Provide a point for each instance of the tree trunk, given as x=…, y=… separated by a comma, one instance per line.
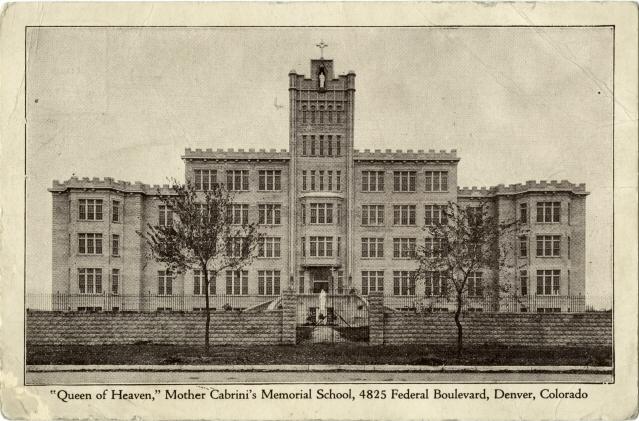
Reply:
x=208, y=310
x=459, y=326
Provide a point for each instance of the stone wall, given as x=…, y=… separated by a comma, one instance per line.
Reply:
x=521, y=329
x=227, y=328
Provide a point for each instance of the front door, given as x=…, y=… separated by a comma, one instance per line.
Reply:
x=319, y=285
x=321, y=280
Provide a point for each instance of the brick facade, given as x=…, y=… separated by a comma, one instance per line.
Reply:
x=321, y=169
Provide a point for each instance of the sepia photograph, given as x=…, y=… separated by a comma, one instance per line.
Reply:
x=319, y=211
x=451, y=218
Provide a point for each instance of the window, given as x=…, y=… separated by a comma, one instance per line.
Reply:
x=404, y=214
x=373, y=247
x=338, y=142
x=372, y=281
x=523, y=246
x=548, y=245
x=340, y=281
x=90, y=280
x=404, y=181
x=115, y=245
x=372, y=214
x=237, y=180
x=321, y=213
x=90, y=209
x=269, y=214
x=304, y=140
x=303, y=242
x=433, y=247
x=165, y=216
x=115, y=281
x=312, y=145
x=238, y=214
x=269, y=180
x=321, y=180
x=301, y=282
x=435, y=214
x=205, y=179
x=475, y=284
x=434, y=283
x=304, y=180
x=523, y=213
x=339, y=246
x=321, y=246
x=436, y=181
x=403, y=282
x=268, y=282
x=89, y=243
x=475, y=215
x=403, y=248
x=115, y=211
x=199, y=281
x=548, y=212
x=372, y=181
x=165, y=282
x=237, y=282
x=329, y=142
x=523, y=282
x=321, y=145
x=338, y=180
x=313, y=180
x=237, y=247
x=548, y=281
x=303, y=213
x=269, y=247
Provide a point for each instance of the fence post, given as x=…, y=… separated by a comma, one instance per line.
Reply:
x=376, y=318
x=289, y=310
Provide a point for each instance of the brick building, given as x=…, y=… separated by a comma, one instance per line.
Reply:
x=336, y=218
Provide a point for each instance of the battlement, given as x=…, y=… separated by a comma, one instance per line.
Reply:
x=239, y=154
x=109, y=183
x=529, y=186
x=408, y=155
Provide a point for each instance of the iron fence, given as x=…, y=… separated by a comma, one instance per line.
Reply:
x=507, y=304
x=149, y=302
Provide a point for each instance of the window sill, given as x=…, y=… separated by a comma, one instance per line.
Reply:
x=548, y=257
x=372, y=258
x=89, y=254
x=438, y=191
x=90, y=220
x=268, y=258
x=269, y=191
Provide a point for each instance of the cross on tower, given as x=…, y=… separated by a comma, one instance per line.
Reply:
x=321, y=46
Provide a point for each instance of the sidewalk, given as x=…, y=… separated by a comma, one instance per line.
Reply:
x=322, y=368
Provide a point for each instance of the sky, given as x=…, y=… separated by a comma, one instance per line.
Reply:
x=517, y=103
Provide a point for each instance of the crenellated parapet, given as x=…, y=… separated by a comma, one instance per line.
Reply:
x=530, y=186
x=408, y=155
x=235, y=155
x=108, y=183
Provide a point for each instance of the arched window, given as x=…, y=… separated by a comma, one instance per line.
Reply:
x=303, y=113
x=330, y=113
x=321, y=114
x=312, y=114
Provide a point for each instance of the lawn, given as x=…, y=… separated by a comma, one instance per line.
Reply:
x=344, y=353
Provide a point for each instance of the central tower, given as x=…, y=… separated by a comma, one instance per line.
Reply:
x=321, y=191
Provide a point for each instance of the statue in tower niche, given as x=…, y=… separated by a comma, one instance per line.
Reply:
x=322, y=79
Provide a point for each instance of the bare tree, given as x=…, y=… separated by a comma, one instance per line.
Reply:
x=465, y=240
x=201, y=234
